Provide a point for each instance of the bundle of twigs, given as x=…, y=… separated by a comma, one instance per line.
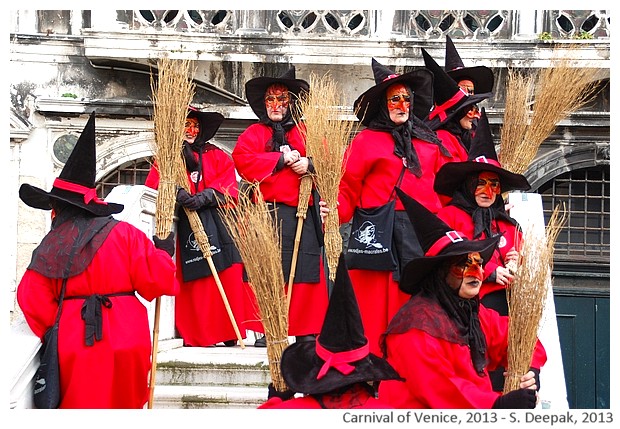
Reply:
x=327, y=137
x=172, y=93
x=557, y=91
x=527, y=296
x=254, y=230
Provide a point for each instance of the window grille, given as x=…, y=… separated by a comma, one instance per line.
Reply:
x=132, y=173
x=584, y=242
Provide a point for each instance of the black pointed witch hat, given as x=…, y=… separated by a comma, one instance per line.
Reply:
x=481, y=76
x=340, y=356
x=481, y=157
x=76, y=182
x=419, y=81
x=439, y=242
x=209, y=123
x=255, y=90
x=450, y=99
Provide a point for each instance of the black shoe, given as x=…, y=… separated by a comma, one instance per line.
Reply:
x=261, y=342
x=230, y=343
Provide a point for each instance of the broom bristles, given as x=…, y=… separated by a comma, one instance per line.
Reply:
x=527, y=295
x=557, y=91
x=253, y=229
x=172, y=94
x=326, y=139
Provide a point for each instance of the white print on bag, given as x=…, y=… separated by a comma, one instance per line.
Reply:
x=365, y=235
x=192, y=245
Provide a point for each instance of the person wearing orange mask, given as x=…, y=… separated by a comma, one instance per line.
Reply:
x=395, y=148
x=444, y=341
x=201, y=316
x=477, y=208
x=456, y=110
x=272, y=153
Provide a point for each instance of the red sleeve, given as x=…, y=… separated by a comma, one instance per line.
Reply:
x=152, y=180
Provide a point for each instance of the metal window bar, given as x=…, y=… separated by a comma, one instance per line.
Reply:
x=586, y=236
x=132, y=173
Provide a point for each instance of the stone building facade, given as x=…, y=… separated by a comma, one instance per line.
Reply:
x=65, y=63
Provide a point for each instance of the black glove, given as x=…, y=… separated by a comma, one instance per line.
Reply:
x=206, y=197
x=536, y=372
x=516, y=399
x=166, y=244
x=285, y=396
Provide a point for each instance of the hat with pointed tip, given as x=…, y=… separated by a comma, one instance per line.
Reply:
x=340, y=356
x=481, y=157
x=76, y=182
x=450, y=99
x=439, y=242
x=420, y=82
x=481, y=76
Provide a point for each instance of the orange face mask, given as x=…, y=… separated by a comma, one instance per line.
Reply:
x=398, y=98
x=277, y=95
x=488, y=184
x=474, y=112
x=470, y=267
x=192, y=127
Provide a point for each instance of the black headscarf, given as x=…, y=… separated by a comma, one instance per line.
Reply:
x=462, y=325
x=454, y=127
x=483, y=217
x=279, y=128
x=404, y=133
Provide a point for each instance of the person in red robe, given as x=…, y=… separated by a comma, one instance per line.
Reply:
x=443, y=341
x=478, y=210
x=338, y=369
x=201, y=316
x=104, y=341
x=395, y=149
x=456, y=111
x=272, y=154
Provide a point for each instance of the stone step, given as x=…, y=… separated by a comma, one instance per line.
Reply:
x=210, y=377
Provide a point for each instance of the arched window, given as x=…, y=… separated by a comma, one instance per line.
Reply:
x=132, y=173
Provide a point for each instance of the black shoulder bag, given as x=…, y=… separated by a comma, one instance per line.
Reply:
x=370, y=241
x=47, y=377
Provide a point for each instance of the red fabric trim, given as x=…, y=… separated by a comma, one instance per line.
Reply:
x=340, y=361
x=486, y=160
x=450, y=237
x=392, y=76
x=90, y=194
x=441, y=110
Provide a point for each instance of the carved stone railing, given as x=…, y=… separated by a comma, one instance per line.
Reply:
x=419, y=24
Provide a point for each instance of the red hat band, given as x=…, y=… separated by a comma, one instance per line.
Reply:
x=450, y=237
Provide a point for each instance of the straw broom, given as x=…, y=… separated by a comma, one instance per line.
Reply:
x=305, y=188
x=254, y=230
x=526, y=297
x=326, y=139
x=172, y=93
x=557, y=91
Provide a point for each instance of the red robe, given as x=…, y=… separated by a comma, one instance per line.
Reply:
x=113, y=373
x=371, y=173
x=460, y=220
x=440, y=373
x=456, y=149
x=255, y=162
x=200, y=313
